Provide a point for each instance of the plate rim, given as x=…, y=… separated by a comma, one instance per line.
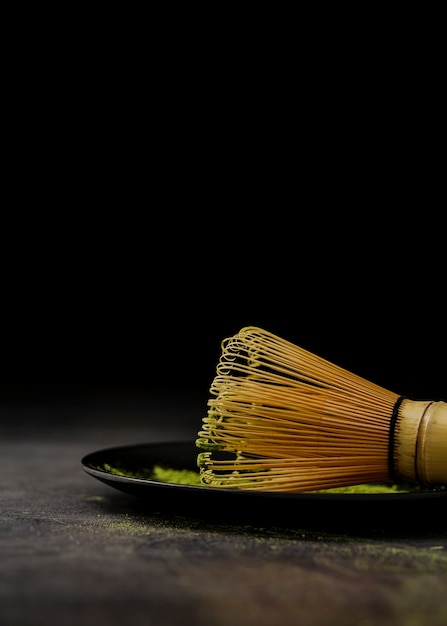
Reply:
x=110, y=477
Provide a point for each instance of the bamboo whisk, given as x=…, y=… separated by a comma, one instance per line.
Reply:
x=284, y=419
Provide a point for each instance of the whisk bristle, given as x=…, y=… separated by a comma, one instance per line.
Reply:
x=284, y=419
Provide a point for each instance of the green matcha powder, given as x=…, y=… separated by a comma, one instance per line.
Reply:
x=188, y=477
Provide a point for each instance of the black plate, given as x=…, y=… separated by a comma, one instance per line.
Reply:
x=402, y=511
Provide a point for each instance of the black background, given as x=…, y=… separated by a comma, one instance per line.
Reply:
x=140, y=302
x=154, y=207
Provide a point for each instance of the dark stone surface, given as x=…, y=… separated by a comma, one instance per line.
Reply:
x=75, y=551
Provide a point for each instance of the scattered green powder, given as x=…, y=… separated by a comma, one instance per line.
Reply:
x=179, y=477
x=158, y=473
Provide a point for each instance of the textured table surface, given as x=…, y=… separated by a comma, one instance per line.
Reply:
x=75, y=551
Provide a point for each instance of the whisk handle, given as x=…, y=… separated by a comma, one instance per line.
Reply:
x=422, y=447
x=432, y=445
